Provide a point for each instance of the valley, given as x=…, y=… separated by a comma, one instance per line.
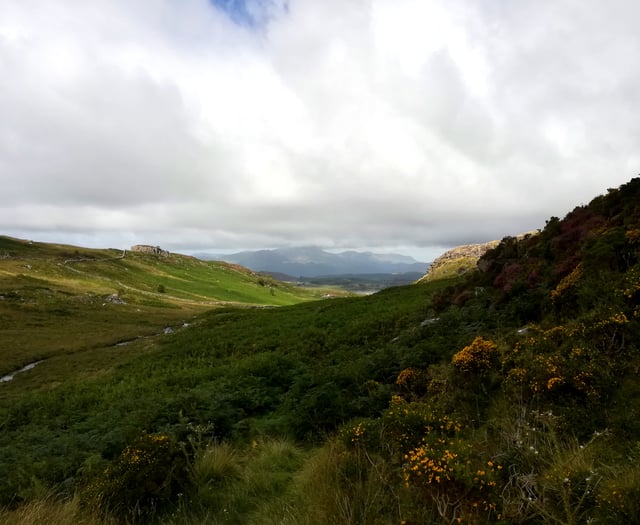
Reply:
x=507, y=393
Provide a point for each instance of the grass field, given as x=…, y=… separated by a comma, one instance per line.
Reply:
x=70, y=309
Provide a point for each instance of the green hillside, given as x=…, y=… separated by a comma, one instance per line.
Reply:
x=506, y=395
x=180, y=278
x=61, y=300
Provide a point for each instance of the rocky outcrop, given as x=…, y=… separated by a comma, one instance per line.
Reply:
x=114, y=298
x=151, y=250
x=457, y=261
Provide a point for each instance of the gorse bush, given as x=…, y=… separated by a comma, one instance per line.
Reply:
x=440, y=469
x=147, y=475
x=446, y=469
x=477, y=357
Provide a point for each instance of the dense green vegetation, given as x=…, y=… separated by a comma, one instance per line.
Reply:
x=508, y=395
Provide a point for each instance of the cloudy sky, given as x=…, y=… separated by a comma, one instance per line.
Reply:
x=393, y=125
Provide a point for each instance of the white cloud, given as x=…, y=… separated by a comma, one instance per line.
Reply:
x=360, y=123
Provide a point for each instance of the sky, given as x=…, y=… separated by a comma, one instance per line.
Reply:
x=405, y=126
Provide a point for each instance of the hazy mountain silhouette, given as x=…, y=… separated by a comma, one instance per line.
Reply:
x=311, y=261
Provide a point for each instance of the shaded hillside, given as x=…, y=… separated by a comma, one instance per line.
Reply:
x=581, y=263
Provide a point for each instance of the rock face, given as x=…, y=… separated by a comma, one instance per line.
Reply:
x=151, y=250
x=457, y=261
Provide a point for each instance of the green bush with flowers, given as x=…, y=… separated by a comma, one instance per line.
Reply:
x=450, y=471
x=148, y=474
x=478, y=357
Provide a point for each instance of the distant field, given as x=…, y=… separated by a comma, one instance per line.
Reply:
x=364, y=283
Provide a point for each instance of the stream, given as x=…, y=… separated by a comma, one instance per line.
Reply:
x=9, y=377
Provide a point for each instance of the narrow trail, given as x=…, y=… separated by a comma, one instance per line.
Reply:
x=89, y=259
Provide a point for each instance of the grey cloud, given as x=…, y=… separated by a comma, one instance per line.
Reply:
x=365, y=123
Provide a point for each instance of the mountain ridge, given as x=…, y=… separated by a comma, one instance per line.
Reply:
x=312, y=261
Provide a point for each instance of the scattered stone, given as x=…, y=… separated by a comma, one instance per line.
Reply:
x=167, y=330
x=114, y=298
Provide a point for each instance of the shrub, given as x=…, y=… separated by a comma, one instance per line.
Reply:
x=448, y=470
x=145, y=476
x=405, y=423
x=478, y=357
x=413, y=380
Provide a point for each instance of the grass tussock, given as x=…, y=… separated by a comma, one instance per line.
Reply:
x=217, y=465
x=338, y=486
x=50, y=511
x=232, y=484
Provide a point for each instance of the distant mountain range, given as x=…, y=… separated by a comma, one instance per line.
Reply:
x=311, y=261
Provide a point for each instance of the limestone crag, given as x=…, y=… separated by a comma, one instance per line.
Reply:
x=151, y=250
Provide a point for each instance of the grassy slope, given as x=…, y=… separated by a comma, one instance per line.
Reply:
x=54, y=299
x=244, y=371
x=452, y=268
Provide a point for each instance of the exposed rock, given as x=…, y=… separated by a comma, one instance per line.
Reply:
x=151, y=250
x=457, y=261
x=115, y=299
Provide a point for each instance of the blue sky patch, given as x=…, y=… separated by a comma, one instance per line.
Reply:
x=249, y=13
